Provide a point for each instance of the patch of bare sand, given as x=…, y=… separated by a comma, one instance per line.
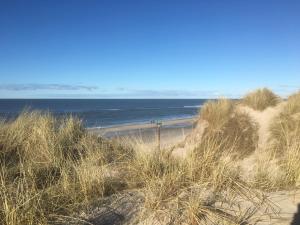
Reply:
x=288, y=205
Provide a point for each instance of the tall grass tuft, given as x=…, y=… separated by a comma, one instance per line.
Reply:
x=217, y=113
x=285, y=131
x=50, y=167
x=292, y=106
x=231, y=129
x=285, y=140
x=261, y=99
x=190, y=190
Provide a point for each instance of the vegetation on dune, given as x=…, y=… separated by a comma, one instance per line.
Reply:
x=230, y=129
x=292, y=106
x=217, y=113
x=285, y=140
x=278, y=165
x=54, y=171
x=190, y=190
x=49, y=167
x=261, y=99
x=286, y=127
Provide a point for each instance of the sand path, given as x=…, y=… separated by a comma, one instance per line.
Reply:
x=264, y=120
x=288, y=203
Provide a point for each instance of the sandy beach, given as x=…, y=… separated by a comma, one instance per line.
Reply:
x=172, y=131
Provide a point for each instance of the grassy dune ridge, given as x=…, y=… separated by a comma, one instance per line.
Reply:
x=54, y=171
x=260, y=99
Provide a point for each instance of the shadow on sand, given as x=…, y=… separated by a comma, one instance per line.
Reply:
x=296, y=219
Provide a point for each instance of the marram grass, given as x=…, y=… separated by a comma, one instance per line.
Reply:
x=261, y=99
x=52, y=170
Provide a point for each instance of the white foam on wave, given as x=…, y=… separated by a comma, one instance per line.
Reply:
x=192, y=106
x=111, y=109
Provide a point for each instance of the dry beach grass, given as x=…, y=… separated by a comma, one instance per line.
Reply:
x=260, y=99
x=55, y=172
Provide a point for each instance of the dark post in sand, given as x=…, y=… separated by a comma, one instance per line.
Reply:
x=158, y=126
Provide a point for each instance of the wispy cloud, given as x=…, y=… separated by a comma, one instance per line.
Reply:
x=149, y=93
x=34, y=87
x=34, y=90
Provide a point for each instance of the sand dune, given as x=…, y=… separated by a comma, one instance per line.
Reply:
x=285, y=201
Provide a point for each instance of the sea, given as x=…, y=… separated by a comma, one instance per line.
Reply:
x=106, y=112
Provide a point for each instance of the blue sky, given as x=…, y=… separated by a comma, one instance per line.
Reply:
x=148, y=49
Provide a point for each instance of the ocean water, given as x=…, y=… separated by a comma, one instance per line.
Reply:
x=107, y=112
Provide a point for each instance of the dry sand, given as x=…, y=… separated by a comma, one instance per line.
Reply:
x=288, y=204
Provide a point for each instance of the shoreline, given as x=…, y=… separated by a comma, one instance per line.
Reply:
x=165, y=121
x=170, y=124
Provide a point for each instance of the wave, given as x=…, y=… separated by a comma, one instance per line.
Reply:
x=192, y=106
x=111, y=109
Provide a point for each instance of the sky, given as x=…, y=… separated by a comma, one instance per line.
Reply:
x=148, y=48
